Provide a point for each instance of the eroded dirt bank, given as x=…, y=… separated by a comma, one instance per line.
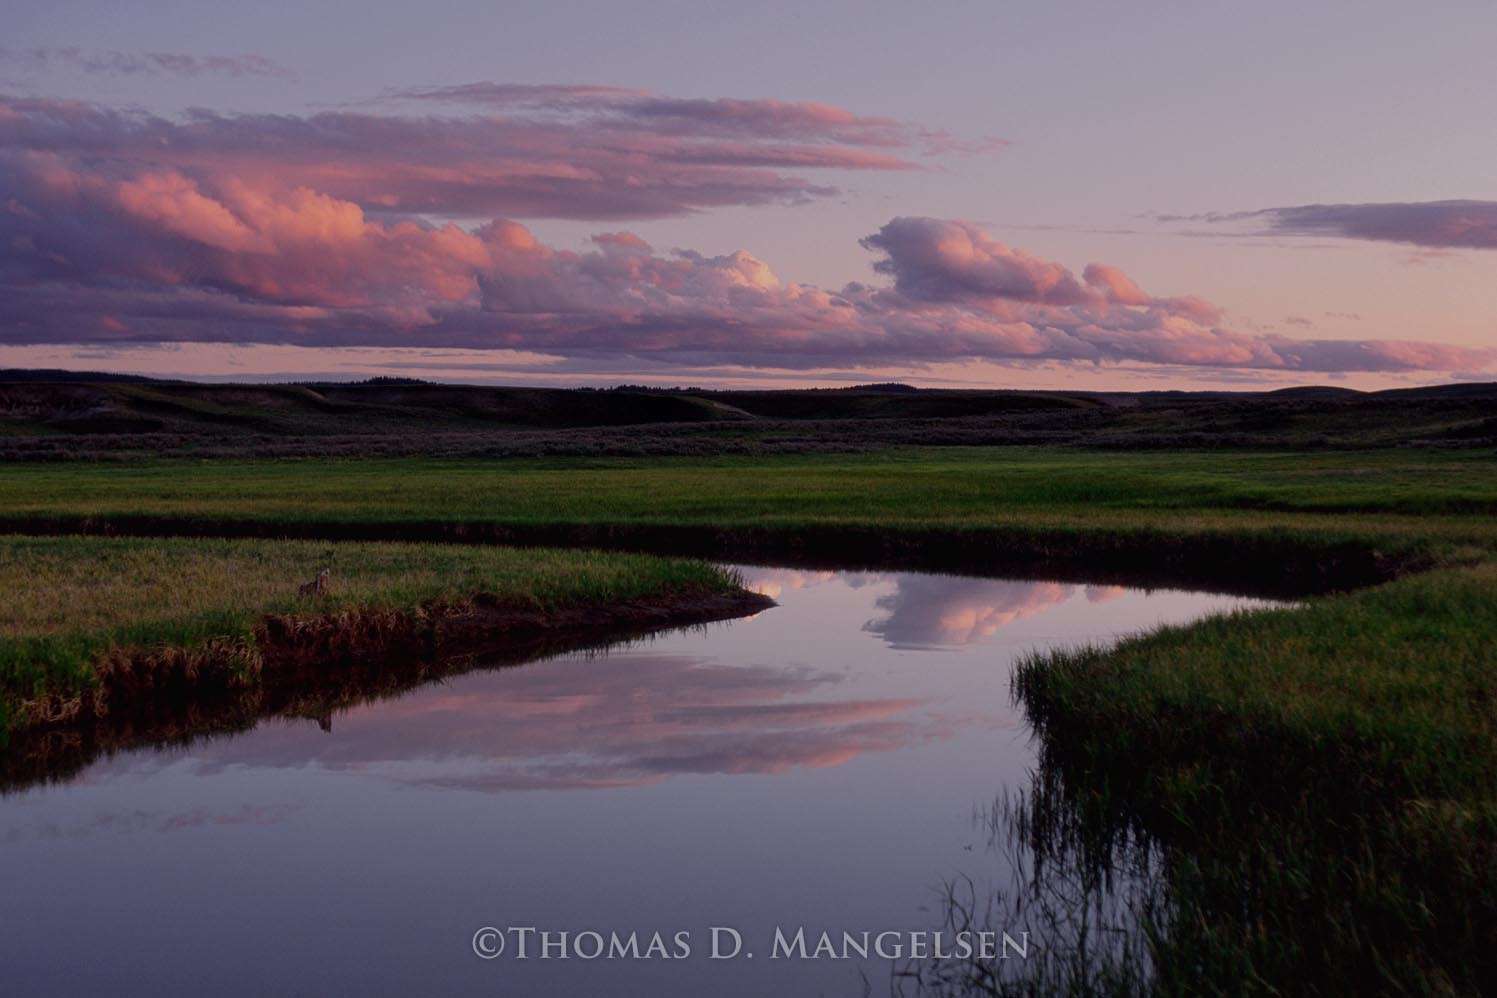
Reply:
x=310, y=666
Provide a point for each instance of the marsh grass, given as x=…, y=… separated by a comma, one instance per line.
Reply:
x=1280, y=523
x=1089, y=891
x=1323, y=779
x=910, y=486
x=72, y=602
x=1388, y=691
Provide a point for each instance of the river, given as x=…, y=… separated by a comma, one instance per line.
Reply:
x=819, y=766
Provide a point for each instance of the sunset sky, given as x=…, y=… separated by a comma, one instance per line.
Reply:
x=1063, y=195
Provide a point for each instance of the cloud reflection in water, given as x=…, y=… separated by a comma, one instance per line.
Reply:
x=629, y=719
x=635, y=718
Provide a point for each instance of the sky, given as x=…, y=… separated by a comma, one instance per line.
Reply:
x=1058, y=195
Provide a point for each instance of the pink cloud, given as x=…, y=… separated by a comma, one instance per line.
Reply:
x=944, y=260
x=124, y=228
x=1117, y=286
x=616, y=108
x=161, y=231
x=1433, y=224
x=940, y=260
x=1436, y=225
x=544, y=159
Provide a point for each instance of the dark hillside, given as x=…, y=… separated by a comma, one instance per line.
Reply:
x=901, y=402
x=53, y=407
x=47, y=417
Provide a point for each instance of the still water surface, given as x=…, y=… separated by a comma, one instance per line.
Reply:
x=817, y=765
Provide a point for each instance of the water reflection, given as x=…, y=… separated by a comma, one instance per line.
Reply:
x=931, y=611
x=812, y=765
x=620, y=720
x=922, y=611
x=137, y=820
x=630, y=718
x=1071, y=872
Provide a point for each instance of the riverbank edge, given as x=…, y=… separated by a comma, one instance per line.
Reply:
x=1361, y=821
x=288, y=652
x=1268, y=562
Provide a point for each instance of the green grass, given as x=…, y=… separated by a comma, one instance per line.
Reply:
x=1324, y=779
x=1394, y=686
x=1428, y=495
x=72, y=600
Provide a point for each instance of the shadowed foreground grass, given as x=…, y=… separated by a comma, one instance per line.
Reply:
x=1323, y=780
x=1404, y=676
x=71, y=601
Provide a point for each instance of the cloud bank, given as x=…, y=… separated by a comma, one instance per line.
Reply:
x=563, y=154
x=610, y=108
x=1431, y=224
x=327, y=231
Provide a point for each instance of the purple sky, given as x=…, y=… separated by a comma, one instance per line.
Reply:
x=1056, y=195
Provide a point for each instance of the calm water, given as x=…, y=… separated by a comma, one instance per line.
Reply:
x=818, y=765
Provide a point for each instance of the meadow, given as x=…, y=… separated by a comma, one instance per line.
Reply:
x=1397, y=491
x=1286, y=523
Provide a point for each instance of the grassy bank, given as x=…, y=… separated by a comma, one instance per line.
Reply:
x=1288, y=510
x=1393, y=689
x=85, y=613
x=1323, y=781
